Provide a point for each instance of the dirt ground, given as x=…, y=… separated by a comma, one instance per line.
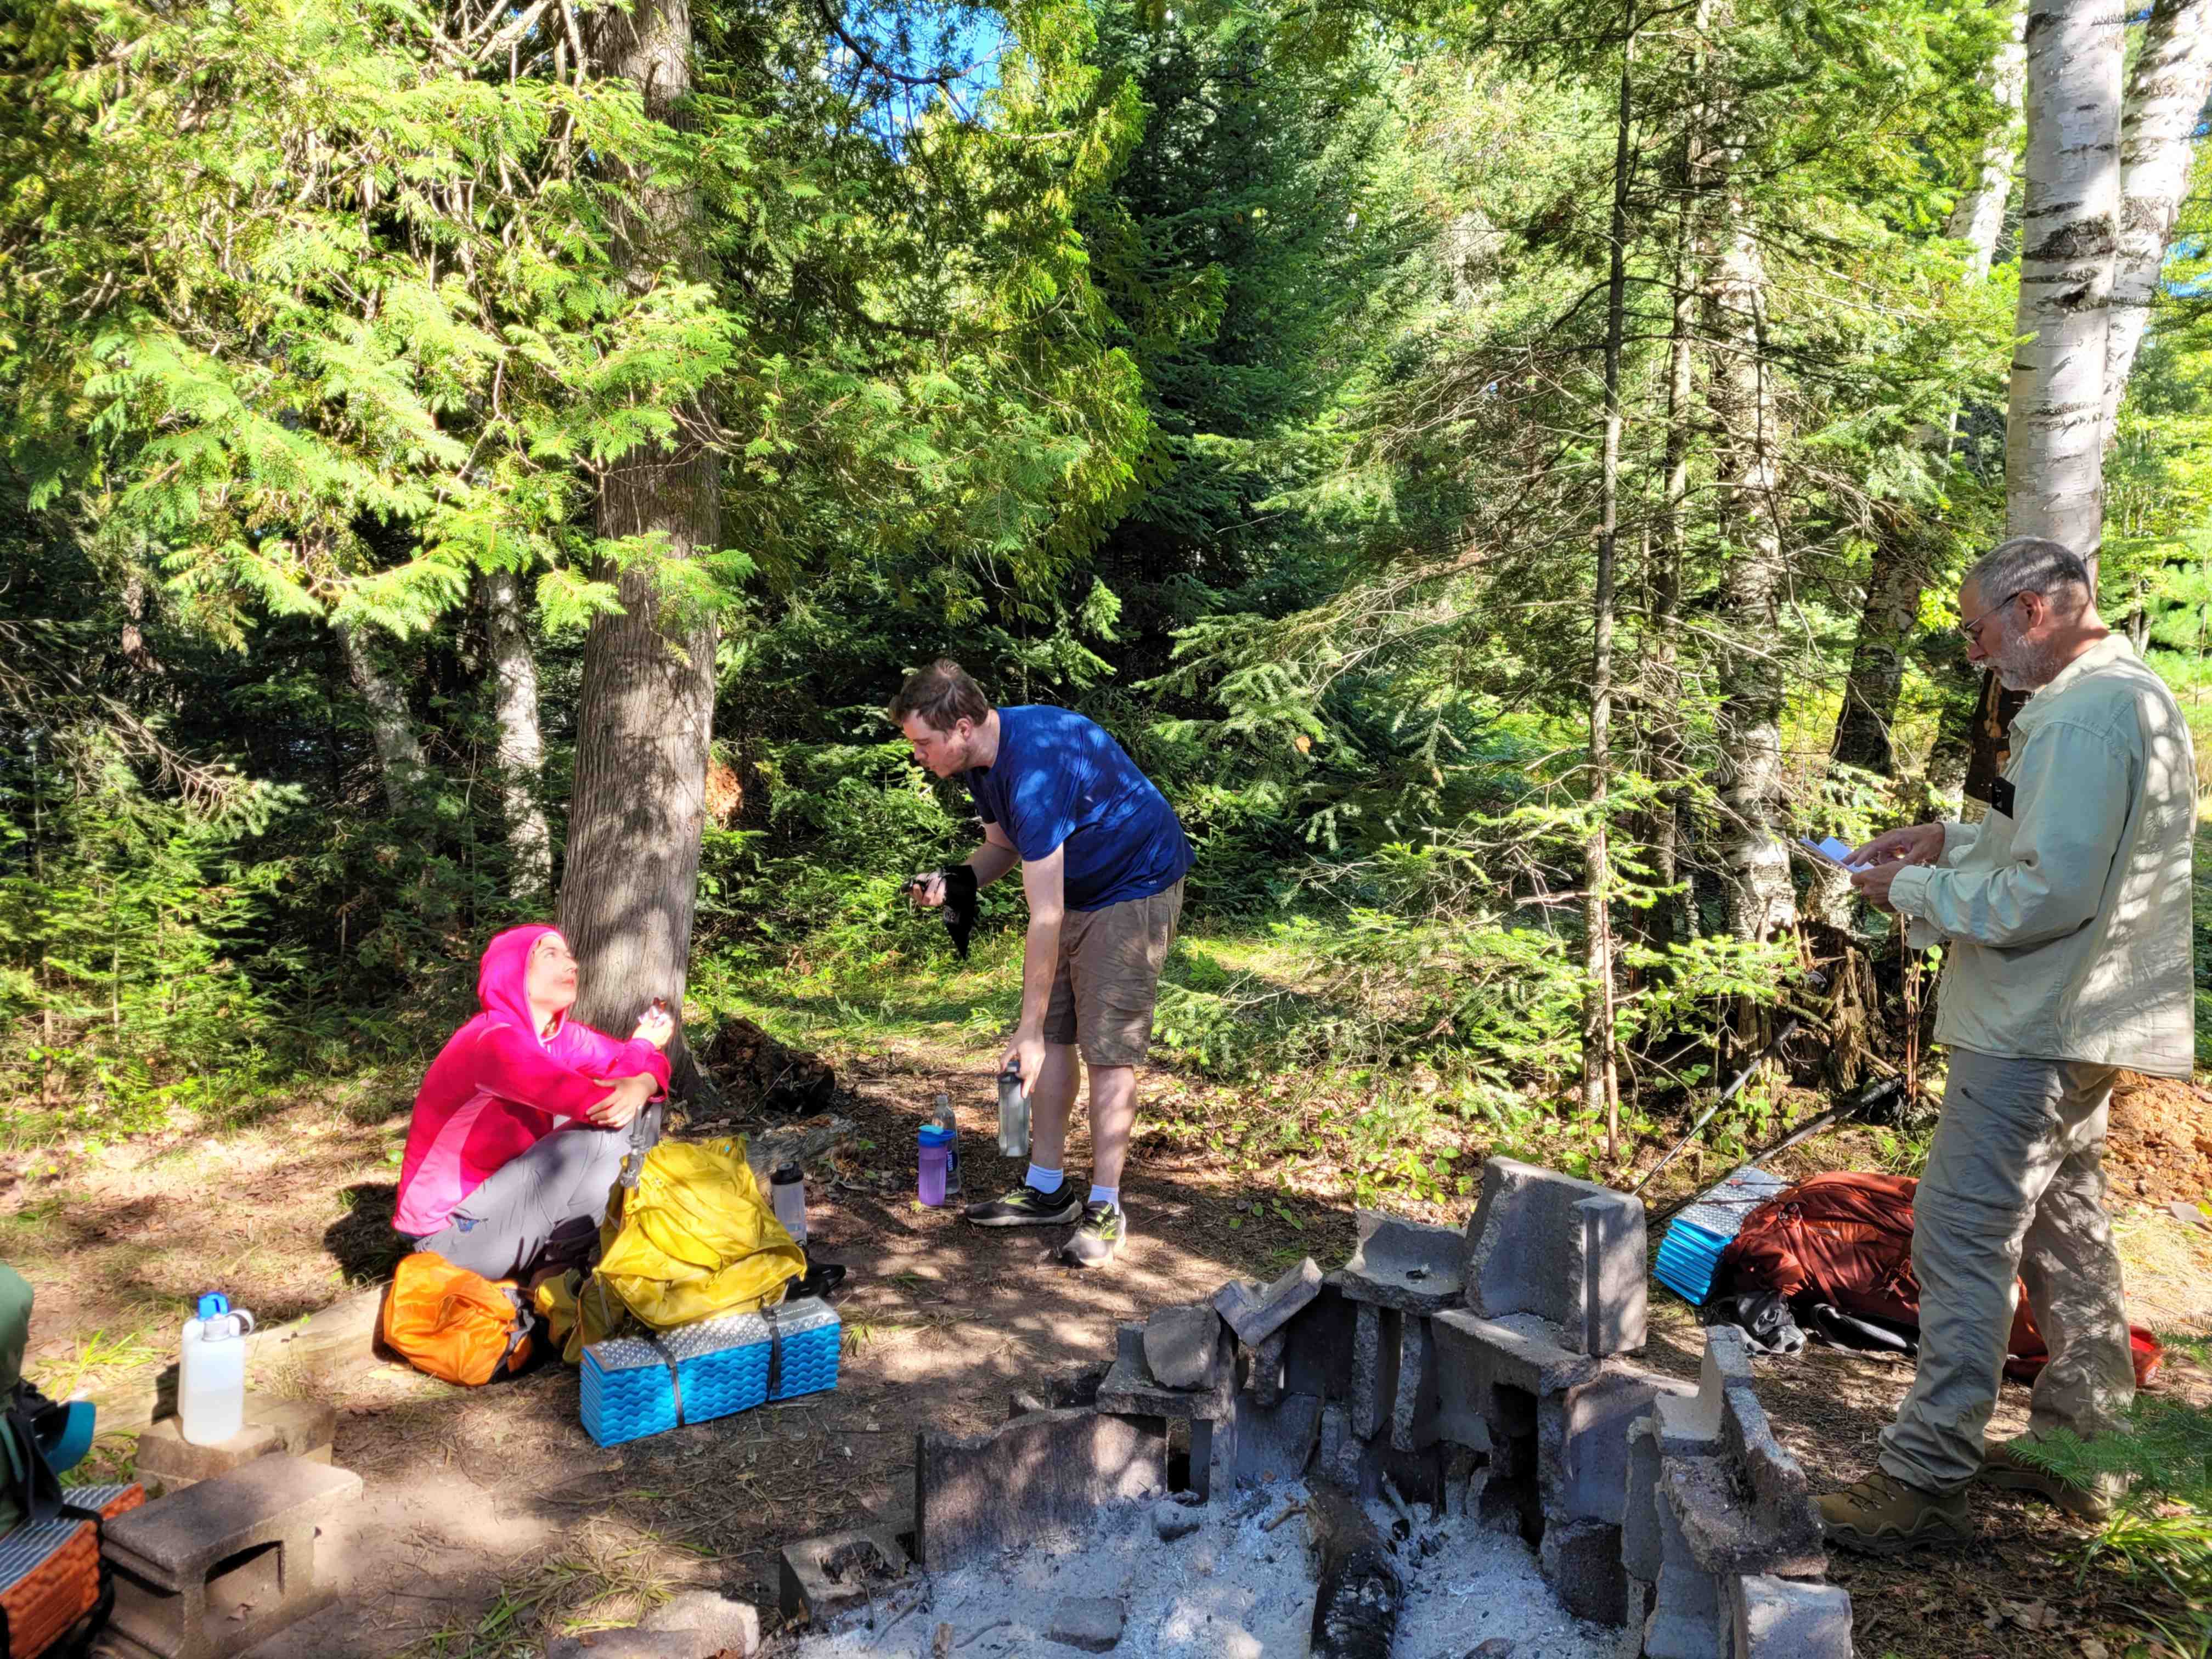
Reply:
x=490, y=1516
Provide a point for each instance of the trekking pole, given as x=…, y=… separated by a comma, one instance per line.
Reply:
x=1727, y=1095
x=1866, y=1101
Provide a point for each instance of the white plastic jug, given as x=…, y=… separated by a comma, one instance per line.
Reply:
x=211, y=1372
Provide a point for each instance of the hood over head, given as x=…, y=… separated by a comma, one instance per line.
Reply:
x=502, y=978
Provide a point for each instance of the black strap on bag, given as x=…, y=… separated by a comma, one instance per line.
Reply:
x=675, y=1381
x=775, y=1351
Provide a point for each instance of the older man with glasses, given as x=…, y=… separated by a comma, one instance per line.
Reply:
x=2065, y=918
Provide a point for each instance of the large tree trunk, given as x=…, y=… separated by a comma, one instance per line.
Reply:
x=2166, y=94
x=1978, y=217
x=1600, y=1089
x=391, y=724
x=522, y=749
x=2054, y=420
x=1761, y=900
x=2069, y=230
x=645, y=716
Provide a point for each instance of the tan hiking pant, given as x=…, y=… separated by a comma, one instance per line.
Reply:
x=2015, y=1189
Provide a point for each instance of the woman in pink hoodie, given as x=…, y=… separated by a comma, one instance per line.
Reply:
x=524, y=1118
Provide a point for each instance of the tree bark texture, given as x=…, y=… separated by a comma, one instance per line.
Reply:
x=2069, y=229
x=1895, y=579
x=1599, y=1088
x=1978, y=218
x=2166, y=94
x=522, y=754
x=391, y=724
x=645, y=716
x=1761, y=900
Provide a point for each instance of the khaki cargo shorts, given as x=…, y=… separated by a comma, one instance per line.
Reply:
x=1109, y=977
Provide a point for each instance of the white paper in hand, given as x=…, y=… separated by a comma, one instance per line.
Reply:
x=1836, y=851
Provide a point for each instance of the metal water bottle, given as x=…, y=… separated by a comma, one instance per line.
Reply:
x=1013, y=1114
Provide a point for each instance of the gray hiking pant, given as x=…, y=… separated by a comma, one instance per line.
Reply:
x=548, y=1201
x=2014, y=1188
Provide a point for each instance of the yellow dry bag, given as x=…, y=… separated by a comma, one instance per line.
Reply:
x=696, y=1237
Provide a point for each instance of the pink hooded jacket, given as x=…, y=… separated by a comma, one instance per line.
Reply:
x=497, y=1088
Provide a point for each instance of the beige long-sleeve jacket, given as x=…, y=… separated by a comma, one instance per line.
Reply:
x=2066, y=911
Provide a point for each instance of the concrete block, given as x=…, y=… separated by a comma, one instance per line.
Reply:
x=830, y=1581
x=1781, y=1497
x=1723, y=1531
x=1274, y=1443
x=1256, y=1312
x=1092, y=1623
x=1637, y=1603
x=726, y=1625
x=1375, y=1338
x=1687, y=1621
x=1595, y=1418
x=633, y=1642
x=1640, y=1542
x=1413, y=1407
x=1317, y=1351
x=226, y=1563
x=1687, y=1426
x=1581, y=1561
x=1339, y=1450
x=1265, y=1373
x=1778, y=1619
x=1131, y=1390
x=1477, y=1358
x=168, y=1463
x=1213, y=1455
x=1528, y=1250
x=1615, y=1261
x=1406, y=1265
x=1180, y=1343
x=978, y=1495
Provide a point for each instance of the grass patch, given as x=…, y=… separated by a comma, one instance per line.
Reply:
x=96, y=1355
x=607, y=1577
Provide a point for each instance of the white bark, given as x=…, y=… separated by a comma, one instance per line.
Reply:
x=391, y=725
x=2165, y=94
x=2070, y=226
x=521, y=747
x=1978, y=216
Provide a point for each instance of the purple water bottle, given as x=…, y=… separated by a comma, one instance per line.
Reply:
x=936, y=1153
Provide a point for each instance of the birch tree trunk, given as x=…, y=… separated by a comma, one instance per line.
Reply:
x=1761, y=900
x=2069, y=230
x=391, y=724
x=2166, y=94
x=521, y=748
x=645, y=714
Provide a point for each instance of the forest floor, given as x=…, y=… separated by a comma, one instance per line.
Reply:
x=491, y=1518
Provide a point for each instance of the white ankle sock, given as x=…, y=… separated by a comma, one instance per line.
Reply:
x=1105, y=1196
x=1044, y=1180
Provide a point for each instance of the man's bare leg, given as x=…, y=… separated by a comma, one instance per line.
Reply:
x=1113, y=1119
x=1051, y=1103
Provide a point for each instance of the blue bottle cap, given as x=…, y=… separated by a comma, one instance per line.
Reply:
x=214, y=1302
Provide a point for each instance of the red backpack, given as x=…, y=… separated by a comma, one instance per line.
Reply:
x=1846, y=1239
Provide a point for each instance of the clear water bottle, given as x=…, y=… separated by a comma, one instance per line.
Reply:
x=787, y=1193
x=211, y=1372
x=1013, y=1114
x=941, y=1115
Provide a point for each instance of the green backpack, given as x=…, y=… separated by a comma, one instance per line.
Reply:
x=39, y=1439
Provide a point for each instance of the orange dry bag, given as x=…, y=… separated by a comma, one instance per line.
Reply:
x=453, y=1323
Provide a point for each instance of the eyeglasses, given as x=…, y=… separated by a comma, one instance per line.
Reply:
x=1972, y=630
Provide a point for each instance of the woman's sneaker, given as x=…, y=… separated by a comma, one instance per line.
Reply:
x=1096, y=1237
x=1025, y=1206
